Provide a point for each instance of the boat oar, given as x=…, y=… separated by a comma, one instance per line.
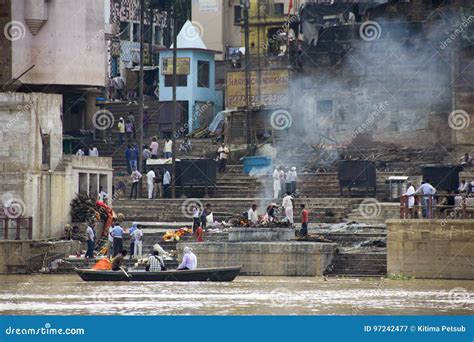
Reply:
x=125, y=272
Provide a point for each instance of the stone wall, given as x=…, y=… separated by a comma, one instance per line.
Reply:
x=431, y=248
x=265, y=258
x=28, y=256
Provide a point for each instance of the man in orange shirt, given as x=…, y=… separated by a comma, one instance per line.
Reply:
x=304, y=221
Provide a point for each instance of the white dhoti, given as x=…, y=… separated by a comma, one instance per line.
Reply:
x=411, y=201
x=289, y=214
x=150, y=189
x=276, y=188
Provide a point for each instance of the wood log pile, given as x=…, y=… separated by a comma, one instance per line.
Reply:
x=83, y=209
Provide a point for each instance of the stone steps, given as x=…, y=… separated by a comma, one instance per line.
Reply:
x=359, y=264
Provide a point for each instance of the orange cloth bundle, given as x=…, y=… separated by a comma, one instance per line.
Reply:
x=103, y=264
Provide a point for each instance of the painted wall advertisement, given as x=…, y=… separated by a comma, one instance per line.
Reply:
x=267, y=88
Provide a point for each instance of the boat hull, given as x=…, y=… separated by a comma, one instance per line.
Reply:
x=220, y=274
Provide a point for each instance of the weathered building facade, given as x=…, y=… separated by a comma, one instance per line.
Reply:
x=386, y=74
x=35, y=179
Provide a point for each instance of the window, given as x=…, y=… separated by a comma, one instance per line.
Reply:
x=147, y=35
x=237, y=15
x=124, y=30
x=279, y=10
x=136, y=32
x=203, y=74
x=324, y=107
x=181, y=80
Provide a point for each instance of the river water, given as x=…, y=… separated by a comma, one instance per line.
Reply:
x=69, y=295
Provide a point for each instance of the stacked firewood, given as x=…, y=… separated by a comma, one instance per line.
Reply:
x=83, y=208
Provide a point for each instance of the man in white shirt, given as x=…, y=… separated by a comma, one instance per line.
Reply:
x=80, y=152
x=276, y=182
x=282, y=182
x=150, y=180
x=90, y=241
x=293, y=179
x=154, y=148
x=168, y=149
x=196, y=218
x=93, y=152
x=166, y=184
x=223, y=153
x=428, y=191
x=138, y=236
x=103, y=196
x=287, y=203
x=411, y=199
x=464, y=186
x=135, y=176
x=252, y=215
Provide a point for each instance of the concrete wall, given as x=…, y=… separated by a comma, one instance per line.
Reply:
x=28, y=256
x=265, y=258
x=23, y=117
x=431, y=248
x=41, y=193
x=68, y=50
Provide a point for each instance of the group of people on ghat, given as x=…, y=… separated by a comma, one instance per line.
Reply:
x=284, y=181
x=426, y=195
x=117, y=253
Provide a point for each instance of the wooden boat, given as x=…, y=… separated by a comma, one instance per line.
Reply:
x=201, y=274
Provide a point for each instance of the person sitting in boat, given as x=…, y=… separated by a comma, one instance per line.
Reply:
x=189, y=260
x=118, y=261
x=155, y=263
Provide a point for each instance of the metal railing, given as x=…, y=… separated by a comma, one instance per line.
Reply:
x=429, y=207
x=21, y=227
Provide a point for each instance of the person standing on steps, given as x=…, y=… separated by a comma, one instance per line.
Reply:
x=117, y=233
x=287, y=203
x=276, y=182
x=131, y=118
x=223, y=154
x=121, y=129
x=129, y=131
x=146, y=154
x=154, y=148
x=304, y=221
x=166, y=184
x=282, y=182
x=135, y=176
x=168, y=149
x=150, y=179
x=287, y=180
x=131, y=230
x=293, y=180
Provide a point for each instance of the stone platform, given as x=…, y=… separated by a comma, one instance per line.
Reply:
x=260, y=234
x=265, y=258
